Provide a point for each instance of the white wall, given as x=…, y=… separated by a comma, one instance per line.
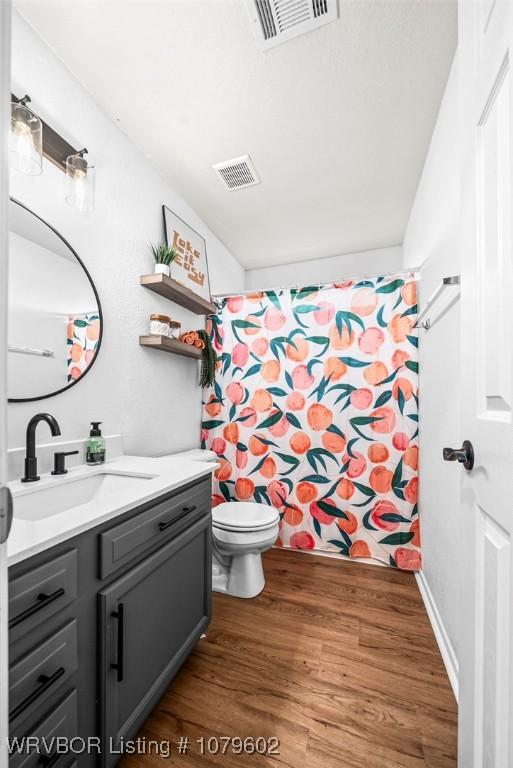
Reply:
x=150, y=397
x=329, y=269
x=431, y=240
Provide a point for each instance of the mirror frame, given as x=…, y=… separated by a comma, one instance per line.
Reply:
x=100, y=313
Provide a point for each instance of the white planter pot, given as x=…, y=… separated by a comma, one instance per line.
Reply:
x=162, y=269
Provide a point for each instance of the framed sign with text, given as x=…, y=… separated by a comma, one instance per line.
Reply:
x=190, y=266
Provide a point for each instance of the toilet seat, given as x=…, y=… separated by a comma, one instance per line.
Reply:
x=240, y=516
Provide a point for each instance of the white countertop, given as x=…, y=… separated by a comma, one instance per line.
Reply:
x=157, y=476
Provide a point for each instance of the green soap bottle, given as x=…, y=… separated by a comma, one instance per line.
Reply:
x=95, y=453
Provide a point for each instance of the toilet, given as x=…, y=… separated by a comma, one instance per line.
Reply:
x=241, y=531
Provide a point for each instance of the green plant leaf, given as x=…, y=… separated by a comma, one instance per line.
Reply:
x=223, y=487
x=350, y=447
x=276, y=392
x=336, y=430
x=288, y=459
x=265, y=441
x=352, y=362
x=293, y=420
x=312, y=460
x=390, y=287
x=389, y=378
x=381, y=322
x=274, y=298
x=364, y=489
x=393, y=517
x=398, y=474
x=401, y=537
x=359, y=432
x=383, y=398
x=274, y=418
x=306, y=291
x=412, y=366
x=344, y=550
x=367, y=523
x=315, y=479
x=251, y=371
x=261, y=496
x=244, y=324
x=212, y=424
x=329, y=509
x=362, y=420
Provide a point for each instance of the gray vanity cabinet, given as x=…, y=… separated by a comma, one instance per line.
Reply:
x=150, y=618
x=100, y=624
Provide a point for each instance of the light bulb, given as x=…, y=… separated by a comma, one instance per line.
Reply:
x=25, y=140
x=80, y=183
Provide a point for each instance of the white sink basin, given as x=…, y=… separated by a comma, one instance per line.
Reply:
x=58, y=495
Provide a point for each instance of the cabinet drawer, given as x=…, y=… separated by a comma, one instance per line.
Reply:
x=35, y=677
x=152, y=526
x=62, y=721
x=41, y=592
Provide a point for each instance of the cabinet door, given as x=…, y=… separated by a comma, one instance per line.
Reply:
x=150, y=619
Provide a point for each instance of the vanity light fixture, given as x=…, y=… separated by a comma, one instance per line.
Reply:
x=31, y=138
x=80, y=182
x=25, y=139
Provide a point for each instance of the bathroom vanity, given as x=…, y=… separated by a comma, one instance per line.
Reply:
x=101, y=621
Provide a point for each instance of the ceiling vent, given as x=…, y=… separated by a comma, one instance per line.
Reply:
x=237, y=173
x=276, y=21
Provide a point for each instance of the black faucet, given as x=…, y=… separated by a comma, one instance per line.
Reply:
x=30, y=457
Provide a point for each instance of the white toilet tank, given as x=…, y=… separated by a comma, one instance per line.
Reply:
x=195, y=454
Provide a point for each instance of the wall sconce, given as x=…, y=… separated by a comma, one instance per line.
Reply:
x=80, y=182
x=25, y=139
x=31, y=138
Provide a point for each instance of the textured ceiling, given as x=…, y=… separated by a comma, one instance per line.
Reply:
x=337, y=122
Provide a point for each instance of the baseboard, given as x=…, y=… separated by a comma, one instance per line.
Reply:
x=442, y=638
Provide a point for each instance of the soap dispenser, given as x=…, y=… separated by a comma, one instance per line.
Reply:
x=95, y=453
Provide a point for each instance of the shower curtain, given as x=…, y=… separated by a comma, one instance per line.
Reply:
x=315, y=411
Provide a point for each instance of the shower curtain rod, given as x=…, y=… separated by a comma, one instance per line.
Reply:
x=413, y=271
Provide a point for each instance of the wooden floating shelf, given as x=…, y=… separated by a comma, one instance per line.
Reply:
x=171, y=289
x=166, y=344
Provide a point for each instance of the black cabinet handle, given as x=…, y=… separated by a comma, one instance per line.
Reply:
x=45, y=682
x=119, y=665
x=42, y=601
x=48, y=760
x=185, y=511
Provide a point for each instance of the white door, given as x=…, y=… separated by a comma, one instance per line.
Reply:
x=486, y=652
x=5, y=68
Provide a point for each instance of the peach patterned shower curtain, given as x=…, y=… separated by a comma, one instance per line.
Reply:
x=315, y=411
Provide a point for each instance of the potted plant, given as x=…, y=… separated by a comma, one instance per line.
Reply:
x=163, y=255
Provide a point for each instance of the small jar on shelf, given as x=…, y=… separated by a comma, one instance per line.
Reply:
x=175, y=328
x=160, y=325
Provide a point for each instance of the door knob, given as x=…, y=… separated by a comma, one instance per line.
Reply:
x=465, y=454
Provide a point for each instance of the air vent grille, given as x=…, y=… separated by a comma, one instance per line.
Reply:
x=237, y=173
x=276, y=21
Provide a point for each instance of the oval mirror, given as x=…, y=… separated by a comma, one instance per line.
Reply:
x=55, y=317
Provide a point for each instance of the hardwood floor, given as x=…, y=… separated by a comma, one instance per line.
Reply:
x=337, y=660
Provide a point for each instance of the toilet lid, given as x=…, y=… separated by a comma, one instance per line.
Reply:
x=244, y=515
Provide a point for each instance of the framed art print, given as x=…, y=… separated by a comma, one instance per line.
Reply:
x=190, y=266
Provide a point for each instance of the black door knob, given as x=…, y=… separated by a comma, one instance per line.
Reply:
x=465, y=454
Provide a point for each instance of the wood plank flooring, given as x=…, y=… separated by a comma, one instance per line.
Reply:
x=337, y=660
